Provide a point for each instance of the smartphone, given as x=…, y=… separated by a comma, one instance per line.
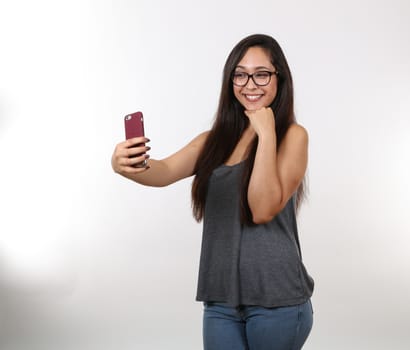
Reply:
x=134, y=127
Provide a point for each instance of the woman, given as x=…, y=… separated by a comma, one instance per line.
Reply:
x=249, y=171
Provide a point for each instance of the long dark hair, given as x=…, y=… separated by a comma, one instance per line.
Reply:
x=230, y=122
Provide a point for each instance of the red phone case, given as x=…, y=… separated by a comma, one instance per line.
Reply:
x=134, y=125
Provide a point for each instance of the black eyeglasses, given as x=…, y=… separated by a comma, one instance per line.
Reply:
x=261, y=78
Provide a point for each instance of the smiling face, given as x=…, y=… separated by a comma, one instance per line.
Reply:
x=252, y=96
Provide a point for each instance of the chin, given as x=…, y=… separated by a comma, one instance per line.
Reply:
x=253, y=107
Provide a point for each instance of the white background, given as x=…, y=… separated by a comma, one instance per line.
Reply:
x=90, y=260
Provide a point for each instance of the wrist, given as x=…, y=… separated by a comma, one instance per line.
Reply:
x=267, y=136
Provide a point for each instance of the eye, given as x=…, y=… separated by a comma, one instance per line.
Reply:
x=240, y=75
x=262, y=75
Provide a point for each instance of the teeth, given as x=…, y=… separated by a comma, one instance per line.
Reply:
x=253, y=97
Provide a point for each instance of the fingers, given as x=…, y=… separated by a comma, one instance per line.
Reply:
x=121, y=154
x=267, y=110
x=135, y=141
x=125, y=165
x=133, y=161
x=133, y=170
x=261, y=120
x=130, y=156
x=136, y=151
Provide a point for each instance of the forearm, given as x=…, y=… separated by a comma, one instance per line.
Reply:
x=157, y=174
x=264, y=191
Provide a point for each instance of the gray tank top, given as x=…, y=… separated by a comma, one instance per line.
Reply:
x=248, y=265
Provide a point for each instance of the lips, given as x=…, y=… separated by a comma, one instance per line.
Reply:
x=253, y=98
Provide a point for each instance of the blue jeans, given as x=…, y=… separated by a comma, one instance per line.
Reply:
x=255, y=327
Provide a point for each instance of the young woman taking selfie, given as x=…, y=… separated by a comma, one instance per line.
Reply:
x=249, y=171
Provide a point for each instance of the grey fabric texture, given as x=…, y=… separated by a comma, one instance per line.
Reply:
x=248, y=265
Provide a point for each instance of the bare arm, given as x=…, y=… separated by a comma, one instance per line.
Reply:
x=157, y=173
x=276, y=175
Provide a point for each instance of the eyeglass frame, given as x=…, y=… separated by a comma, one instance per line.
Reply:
x=251, y=76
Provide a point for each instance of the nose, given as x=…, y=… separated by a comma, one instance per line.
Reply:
x=252, y=83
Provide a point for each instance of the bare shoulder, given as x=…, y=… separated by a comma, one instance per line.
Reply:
x=297, y=132
x=296, y=135
x=295, y=138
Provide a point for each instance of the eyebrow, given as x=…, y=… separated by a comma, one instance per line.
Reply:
x=256, y=68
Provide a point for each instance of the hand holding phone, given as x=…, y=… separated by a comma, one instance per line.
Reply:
x=134, y=127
